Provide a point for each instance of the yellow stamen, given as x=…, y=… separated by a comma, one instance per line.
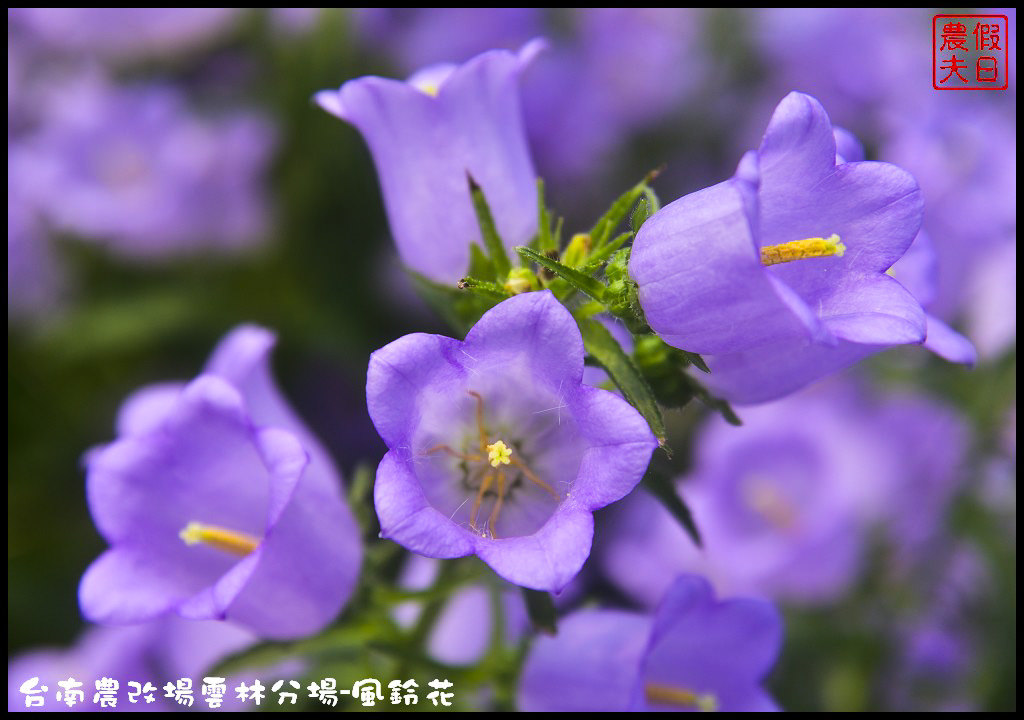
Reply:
x=236, y=543
x=496, y=510
x=484, y=487
x=668, y=695
x=480, y=419
x=801, y=249
x=499, y=454
x=532, y=476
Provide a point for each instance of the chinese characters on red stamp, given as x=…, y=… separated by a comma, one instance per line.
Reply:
x=970, y=52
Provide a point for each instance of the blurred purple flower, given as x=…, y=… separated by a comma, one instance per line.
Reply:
x=784, y=503
x=134, y=169
x=497, y=448
x=695, y=653
x=417, y=37
x=464, y=629
x=154, y=652
x=219, y=503
x=34, y=278
x=622, y=70
x=122, y=33
x=428, y=135
x=779, y=274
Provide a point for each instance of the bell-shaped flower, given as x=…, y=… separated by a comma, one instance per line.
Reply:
x=695, y=653
x=497, y=447
x=778, y=275
x=218, y=503
x=428, y=136
x=786, y=502
x=155, y=652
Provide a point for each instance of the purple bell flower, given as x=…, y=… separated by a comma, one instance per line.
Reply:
x=218, y=503
x=779, y=274
x=695, y=653
x=497, y=447
x=428, y=135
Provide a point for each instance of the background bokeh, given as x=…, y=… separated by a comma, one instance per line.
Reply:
x=169, y=178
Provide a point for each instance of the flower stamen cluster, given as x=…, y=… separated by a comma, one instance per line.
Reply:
x=230, y=541
x=493, y=455
x=814, y=247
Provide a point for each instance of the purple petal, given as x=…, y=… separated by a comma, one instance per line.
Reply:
x=873, y=310
x=798, y=149
x=409, y=519
x=707, y=646
x=948, y=344
x=534, y=326
x=700, y=278
x=592, y=664
x=620, y=449
x=146, y=409
x=472, y=128
x=549, y=558
x=399, y=374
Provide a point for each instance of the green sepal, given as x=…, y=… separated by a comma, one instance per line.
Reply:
x=480, y=266
x=605, y=349
x=492, y=240
x=584, y=283
x=659, y=484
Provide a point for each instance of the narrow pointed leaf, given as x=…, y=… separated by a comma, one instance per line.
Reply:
x=584, y=283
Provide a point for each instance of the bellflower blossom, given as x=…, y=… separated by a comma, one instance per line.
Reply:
x=779, y=274
x=695, y=653
x=432, y=133
x=134, y=169
x=158, y=651
x=784, y=503
x=218, y=503
x=497, y=448
x=122, y=33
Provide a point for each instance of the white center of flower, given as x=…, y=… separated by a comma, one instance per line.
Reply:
x=815, y=247
x=231, y=541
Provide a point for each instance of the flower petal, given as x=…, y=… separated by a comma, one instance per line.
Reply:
x=532, y=326
x=407, y=518
x=399, y=373
x=621, y=444
x=700, y=279
x=948, y=344
x=874, y=310
x=592, y=664
x=549, y=558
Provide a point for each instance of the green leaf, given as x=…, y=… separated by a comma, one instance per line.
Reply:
x=580, y=281
x=458, y=308
x=660, y=485
x=492, y=241
x=605, y=226
x=480, y=266
x=545, y=239
x=596, y=259
x=484, y=288
x=713, y=402
x=541, y=609
x=640, y=214
x=604, y=348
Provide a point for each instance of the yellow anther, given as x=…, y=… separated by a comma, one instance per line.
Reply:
x=814, y=247
x=429, y=88
x=678, y=697
x=766, y=500
x=499, y=454
x=230, y=541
